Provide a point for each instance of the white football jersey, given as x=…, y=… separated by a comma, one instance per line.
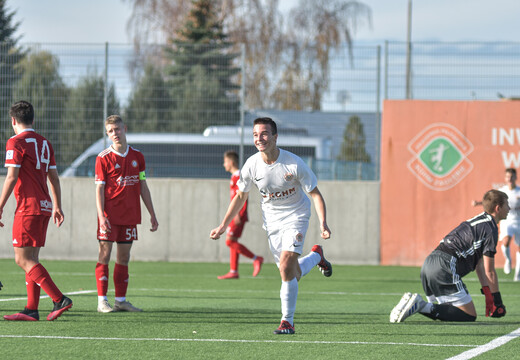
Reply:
x=514, y=202
x=282, y=185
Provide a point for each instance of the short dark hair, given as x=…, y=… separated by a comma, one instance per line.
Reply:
x=492, y=198
x=231, y=154
x=512, y=171
x=267, y=121
x=23, y=112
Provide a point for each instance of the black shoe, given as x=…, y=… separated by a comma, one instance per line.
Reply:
x=1, y=285
x=59, y=308
x=24, y=315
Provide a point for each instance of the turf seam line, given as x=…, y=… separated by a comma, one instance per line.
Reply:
x=231, y=340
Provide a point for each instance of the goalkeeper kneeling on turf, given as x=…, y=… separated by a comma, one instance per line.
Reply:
x=471, y=246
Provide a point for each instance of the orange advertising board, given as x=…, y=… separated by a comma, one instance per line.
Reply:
x=436, y=157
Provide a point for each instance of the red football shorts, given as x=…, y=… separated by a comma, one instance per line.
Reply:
x=118, y=233
x=235, y=230
x=30, y=230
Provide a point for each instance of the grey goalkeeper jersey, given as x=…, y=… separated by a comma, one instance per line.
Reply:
x=469, y=241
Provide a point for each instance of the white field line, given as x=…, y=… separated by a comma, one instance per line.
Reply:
x=228, y=340
x=46, y=296
x=493, y=344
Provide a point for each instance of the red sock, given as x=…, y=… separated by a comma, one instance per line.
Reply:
x=102, y=279
x=120, y=279
x=240, y=249
x=33, y=293
x=40, y=276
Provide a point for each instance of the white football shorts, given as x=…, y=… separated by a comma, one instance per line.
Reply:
x=509, y=228
x=287, y=237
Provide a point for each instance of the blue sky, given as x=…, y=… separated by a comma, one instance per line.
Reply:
x=97, y=21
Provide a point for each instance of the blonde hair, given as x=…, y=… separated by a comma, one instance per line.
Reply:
x=113, y=119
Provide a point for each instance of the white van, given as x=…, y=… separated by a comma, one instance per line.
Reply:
x=194, y=155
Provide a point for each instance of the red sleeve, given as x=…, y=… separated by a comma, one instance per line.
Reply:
x=100, y=174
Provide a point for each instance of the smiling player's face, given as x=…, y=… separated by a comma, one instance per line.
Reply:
x=263, y=137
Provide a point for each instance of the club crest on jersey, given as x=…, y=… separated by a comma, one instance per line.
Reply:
x=288, y=176
x=134, y=163
x=299, y=237
x=440, y=156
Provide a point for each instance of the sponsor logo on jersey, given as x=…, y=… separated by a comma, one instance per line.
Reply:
x=45, y=205
x=134, y=163
x=9, y=154
x=440, y=154
x=127, y=180
x=288, y=176
x=279, y=195
x=117, y=166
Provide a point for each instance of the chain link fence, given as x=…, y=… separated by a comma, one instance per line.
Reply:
x=185, y=106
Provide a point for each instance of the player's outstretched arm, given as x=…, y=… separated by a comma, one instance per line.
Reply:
x=147, y=200
x=57, y=213
x=321, y=210
x=234, y=207
x=9, y=183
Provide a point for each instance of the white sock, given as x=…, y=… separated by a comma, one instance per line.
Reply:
x=427, y=308
x=101, y=298
x=121, y=299
x=288, y=296
x=308, y=262
x=507, y=252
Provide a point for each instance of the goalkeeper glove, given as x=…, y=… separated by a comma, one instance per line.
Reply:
x=489, y=300
x=499, y=309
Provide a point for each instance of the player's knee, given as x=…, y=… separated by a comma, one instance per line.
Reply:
x=231, y=242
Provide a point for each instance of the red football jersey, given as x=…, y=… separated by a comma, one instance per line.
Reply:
x=33, y=154
x=233, y=188
x=120, y=173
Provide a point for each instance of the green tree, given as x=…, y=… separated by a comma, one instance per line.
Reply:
x=10, y=55
x=286, y=53
x=42, y=85
x=83, y=121
x=354, y=141
x=201, y=73
x=149, y=107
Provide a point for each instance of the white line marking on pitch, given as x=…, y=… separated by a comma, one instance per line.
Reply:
x=46, y=296
x=493, y=344
x=228, y=340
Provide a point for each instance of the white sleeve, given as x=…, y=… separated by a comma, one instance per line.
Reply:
x=306, y=176
x=245, y=180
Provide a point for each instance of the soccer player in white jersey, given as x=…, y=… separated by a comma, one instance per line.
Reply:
x=510, y=227
x=282, y=179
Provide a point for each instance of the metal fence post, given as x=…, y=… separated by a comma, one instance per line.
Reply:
x=242, y=104
x=105, y=95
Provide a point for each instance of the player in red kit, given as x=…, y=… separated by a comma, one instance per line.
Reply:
x=120, y=183
x=30, y=163
x=235, y=228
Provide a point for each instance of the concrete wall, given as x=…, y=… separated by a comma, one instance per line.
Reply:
x=187, y=209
